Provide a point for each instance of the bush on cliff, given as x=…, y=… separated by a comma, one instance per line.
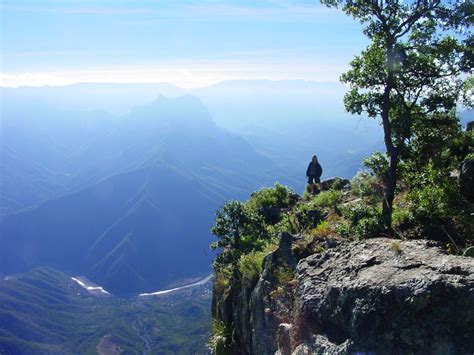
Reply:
x=361, y=221
x=250, y=267
x=221, y=337
x=277, y=197
x=330, y=199
x=239, y=230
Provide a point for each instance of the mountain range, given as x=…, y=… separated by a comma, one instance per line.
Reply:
x=129, y=206
x=120, y=182
x=287, y=120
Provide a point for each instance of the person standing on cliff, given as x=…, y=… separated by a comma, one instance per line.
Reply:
x=313, y=173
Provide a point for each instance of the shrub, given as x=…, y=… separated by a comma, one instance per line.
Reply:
x=367, y=186
x=328, y=199
x=362, y=221
x=288, y=223
x=401, y=216
x=434, y=197
x=322, y=230
x=286, y=283
x=222, y=280
x=369, y=227
x=239, y=230
x=336, y=184
x=284, y=276
x=250, y=267
x=306, y=217
x=221, y=337
x=279, y=196
x=377, y=163
x=429, y=204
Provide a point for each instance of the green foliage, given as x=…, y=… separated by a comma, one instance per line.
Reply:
x=284, y=276
x=336, y=184
x=411, y=76
x=279, y=196
x=322, y=230
x=250, y=267
x=222, y=279
x=401, y=216
x=429, y=203
x=439, y=142
x=221, y=336
x=305, y=217
x=434, y=196
x=239, y=230
x=288, y=223
x=366, y=185
x=328, y=199
x=362, y=221
x=377, y=163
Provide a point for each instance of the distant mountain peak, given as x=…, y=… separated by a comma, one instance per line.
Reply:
x=186, y=109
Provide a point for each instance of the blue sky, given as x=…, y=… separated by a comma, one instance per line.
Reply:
x=187, y=42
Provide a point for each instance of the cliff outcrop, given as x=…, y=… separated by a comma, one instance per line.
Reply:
x=374, y=296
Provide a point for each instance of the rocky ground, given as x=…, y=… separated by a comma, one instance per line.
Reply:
x=374, y=296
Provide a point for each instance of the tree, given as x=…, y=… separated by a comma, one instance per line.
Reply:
x=239, y=229
x=411, y=73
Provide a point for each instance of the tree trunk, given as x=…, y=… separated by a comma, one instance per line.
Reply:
x=391, y=181
x=389, y=193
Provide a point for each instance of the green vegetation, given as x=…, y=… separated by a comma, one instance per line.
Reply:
x=412, y=77
x=328, y=199
x=247, y=233
x=322, y=230
x=361, y=221
x=428, y=204
x=240, y=230
x=220, y=337
x=396, y=248
x=44, y=311
x=222, y=279
x=277, y=197
x=366, y=185
x=250, y=267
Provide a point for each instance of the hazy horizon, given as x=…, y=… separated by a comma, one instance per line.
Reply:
x=219, y=82
x=190, y=44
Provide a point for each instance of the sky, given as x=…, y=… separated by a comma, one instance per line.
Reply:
x=189, y=43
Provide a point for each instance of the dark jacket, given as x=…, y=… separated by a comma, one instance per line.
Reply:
x=314, y=170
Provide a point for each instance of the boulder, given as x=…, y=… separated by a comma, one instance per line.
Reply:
x=335, y=183
x=377, y=296
x=365, y=297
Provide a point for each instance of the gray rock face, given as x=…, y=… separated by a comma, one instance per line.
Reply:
x=386, y=296
x=381, y=296
x=265, y=307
